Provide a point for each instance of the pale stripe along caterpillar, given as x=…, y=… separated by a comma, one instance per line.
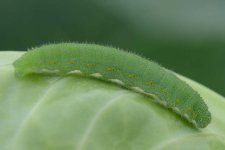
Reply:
x=123, y=68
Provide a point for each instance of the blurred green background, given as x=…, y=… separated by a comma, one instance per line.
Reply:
x=187, y=36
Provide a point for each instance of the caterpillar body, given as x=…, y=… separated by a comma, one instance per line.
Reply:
x=126, y=69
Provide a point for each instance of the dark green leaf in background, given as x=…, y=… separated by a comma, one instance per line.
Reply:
x=187, y=36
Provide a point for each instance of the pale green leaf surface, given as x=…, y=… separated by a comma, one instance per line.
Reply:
x=76, y=113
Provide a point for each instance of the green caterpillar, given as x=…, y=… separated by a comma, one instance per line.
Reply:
x=123, y=68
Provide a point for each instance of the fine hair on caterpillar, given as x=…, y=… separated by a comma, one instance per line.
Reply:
x=123, y=68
